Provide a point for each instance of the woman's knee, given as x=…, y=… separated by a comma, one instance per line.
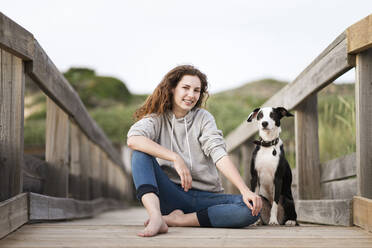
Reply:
x=244, y=216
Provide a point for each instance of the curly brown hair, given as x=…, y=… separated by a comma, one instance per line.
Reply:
x=160, y=101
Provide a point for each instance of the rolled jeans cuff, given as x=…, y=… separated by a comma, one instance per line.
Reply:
x=203, y=218
x=146, y=188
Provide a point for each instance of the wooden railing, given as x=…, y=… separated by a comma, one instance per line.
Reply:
x=325, y=191
x=82, y=173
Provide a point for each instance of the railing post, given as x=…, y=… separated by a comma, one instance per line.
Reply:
x=307, y=149
x=12, y=83
x=363, y=94
x=246, y=150
x=57, y=150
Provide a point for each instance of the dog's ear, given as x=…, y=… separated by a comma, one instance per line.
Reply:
x=253, y=114
x=283, y=112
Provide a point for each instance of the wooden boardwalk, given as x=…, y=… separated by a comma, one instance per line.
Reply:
x=119, y=228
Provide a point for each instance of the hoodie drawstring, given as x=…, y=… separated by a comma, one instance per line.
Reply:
x=188, y=144
x=187, y=139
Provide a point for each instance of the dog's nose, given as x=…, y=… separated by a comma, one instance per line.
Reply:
x=264, y=123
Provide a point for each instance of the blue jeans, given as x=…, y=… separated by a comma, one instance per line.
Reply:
x=212, y=209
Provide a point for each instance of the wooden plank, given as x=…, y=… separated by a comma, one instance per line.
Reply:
x=119, y=229
x=329, y=212
x=362, y=212
x=75, y=164
x=34, y=174
x=54, y=208
x=342, y=189
x=307, y=149
x=339, y=168
x=359, y=35
x=57, y=150
x=328, y=66
x=95, y=171
x=15, y=39
x=43, y=71
x=363, y=95
x=13, y=214
x=85, y=169
x=11, y=124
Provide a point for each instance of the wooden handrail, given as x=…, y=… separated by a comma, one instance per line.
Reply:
x=20, y=42
x=328, y=66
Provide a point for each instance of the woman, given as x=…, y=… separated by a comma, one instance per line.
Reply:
x=177, y=148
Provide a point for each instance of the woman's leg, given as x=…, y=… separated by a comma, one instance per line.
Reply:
x=223, y=210
x=214, y=210
x=157, y=193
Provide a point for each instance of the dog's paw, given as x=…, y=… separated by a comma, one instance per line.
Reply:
x=273, y=221
x=290, y=223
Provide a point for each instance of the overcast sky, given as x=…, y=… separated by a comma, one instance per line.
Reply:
x=232, y=41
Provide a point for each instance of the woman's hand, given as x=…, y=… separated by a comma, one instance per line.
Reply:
x=248, y=197
x=183, y=172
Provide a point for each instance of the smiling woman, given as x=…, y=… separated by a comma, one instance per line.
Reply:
x=178, y=149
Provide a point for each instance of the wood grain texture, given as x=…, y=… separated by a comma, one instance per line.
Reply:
x=363, y=96
x=340, y=189
x=328, y=66
x=119, y=229
x=56, y=208
x=57, y=150
x=362, y=212
x=339, y=168
x=359, y=35
x=307, y=149
x=15, y=39
x=11, y=124
x=96, y=169
x=329, y=212
x=13, y=213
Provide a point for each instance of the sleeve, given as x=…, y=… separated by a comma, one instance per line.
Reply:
x=148, y=127
x=211, y=139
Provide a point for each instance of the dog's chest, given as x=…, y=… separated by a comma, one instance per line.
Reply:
x=267, y=160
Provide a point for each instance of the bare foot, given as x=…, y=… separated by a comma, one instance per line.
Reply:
x=173, y=219
x=155, y=225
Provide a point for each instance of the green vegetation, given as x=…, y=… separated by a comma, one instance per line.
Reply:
x=111, y=105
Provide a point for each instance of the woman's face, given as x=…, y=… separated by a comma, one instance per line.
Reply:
x=186, y=95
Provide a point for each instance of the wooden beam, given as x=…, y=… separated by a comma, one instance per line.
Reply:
x=329, y=212
x=307, y=149
x=359, y=35
x=13, y=214
x=15, y=39
x=362, y=212
x=328, y=66
x=57, y=150
x=339, y=168
x=339, y=189
x=12, y=83
x=363, y=95
x=54, y=208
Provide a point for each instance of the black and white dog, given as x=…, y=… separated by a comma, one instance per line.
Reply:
x=271, y=175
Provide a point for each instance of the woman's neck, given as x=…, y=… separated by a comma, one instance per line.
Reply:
x=179, y=114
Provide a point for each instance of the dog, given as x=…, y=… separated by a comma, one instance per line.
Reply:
x=271, y=175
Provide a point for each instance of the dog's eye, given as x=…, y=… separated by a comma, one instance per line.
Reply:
x=259, y=116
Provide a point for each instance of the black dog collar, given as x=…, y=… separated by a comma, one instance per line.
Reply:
x=261, y=142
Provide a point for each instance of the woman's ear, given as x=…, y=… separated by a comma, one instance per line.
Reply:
x=253, y=114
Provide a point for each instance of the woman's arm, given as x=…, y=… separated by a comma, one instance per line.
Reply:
x=146, y=145
x=228, y=169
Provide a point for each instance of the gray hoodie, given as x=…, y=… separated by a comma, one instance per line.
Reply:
x=194, y=137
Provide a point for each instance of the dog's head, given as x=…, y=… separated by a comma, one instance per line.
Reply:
x=268, y=120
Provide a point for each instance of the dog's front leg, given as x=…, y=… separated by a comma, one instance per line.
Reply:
x=274, y=209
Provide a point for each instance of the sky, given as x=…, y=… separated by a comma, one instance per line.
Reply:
x=232, y=41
